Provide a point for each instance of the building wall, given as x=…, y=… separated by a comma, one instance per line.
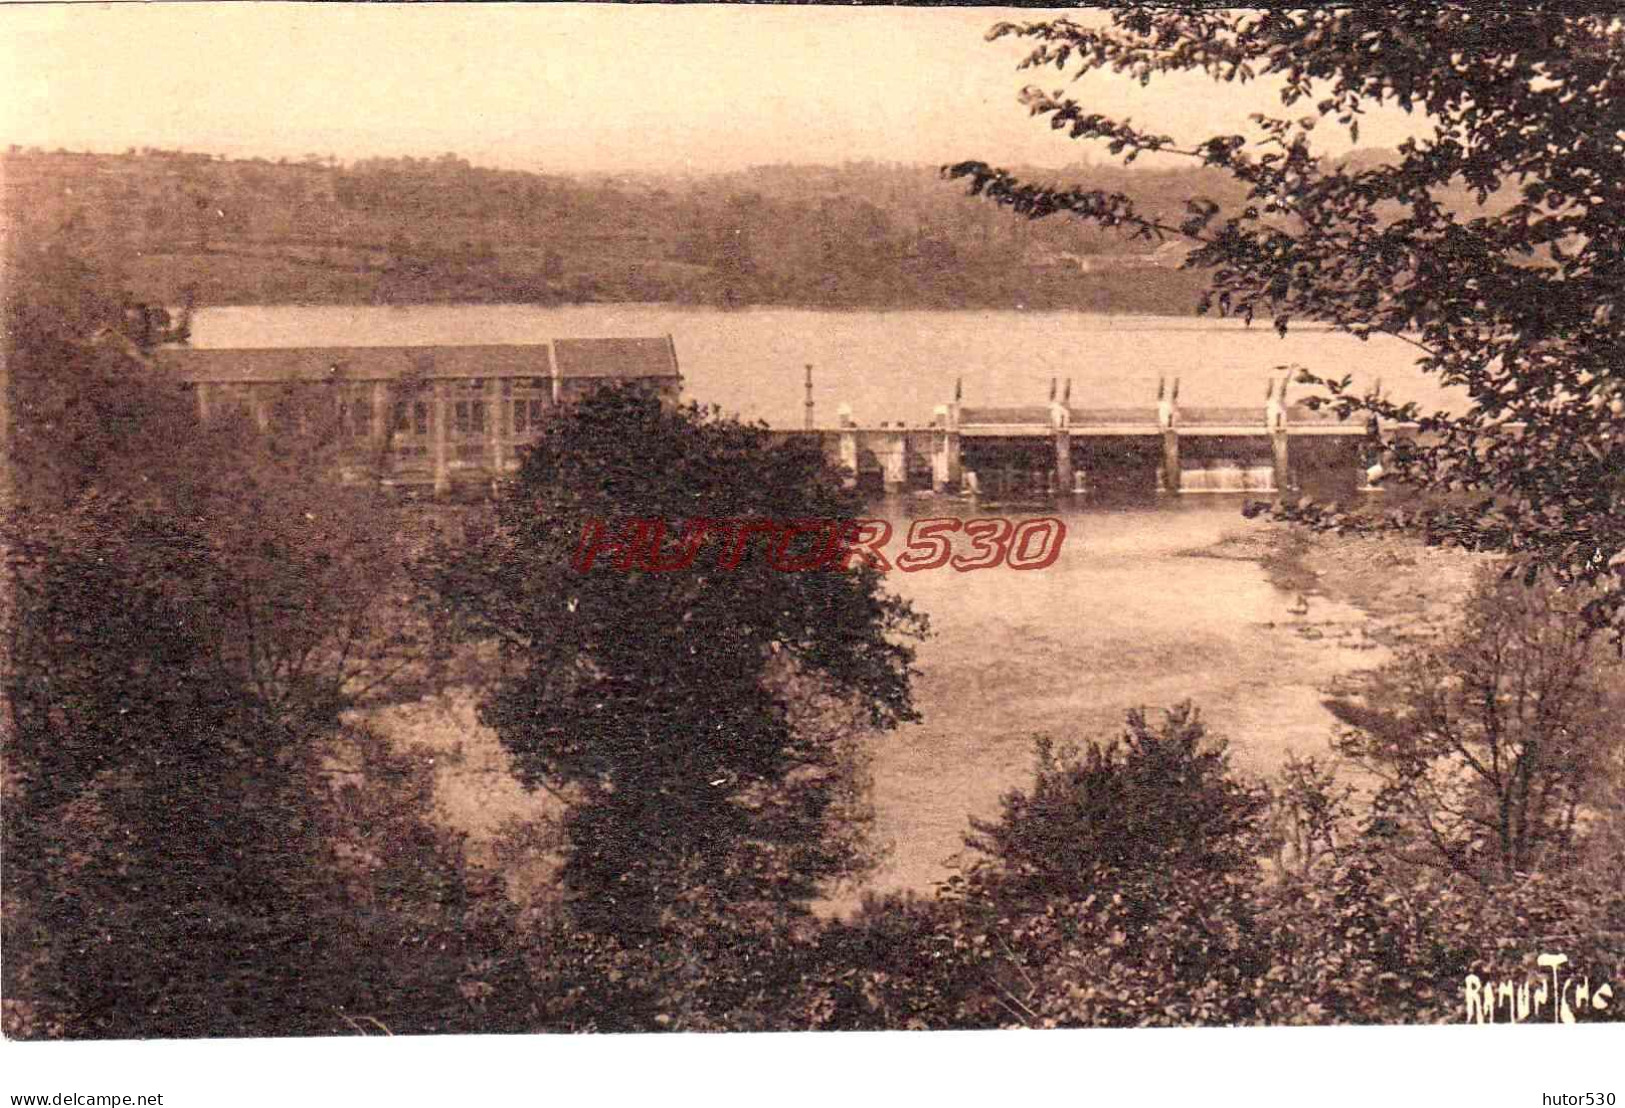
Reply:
x=572, y=389
x=417, y=431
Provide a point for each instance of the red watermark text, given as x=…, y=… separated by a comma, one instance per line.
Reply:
x=819, y=545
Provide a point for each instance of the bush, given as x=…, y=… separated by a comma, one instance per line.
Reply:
x=1089, y=912
x=1152, y=799
x=1117, y=890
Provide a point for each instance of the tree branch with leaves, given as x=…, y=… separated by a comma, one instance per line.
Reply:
x=1513, y=300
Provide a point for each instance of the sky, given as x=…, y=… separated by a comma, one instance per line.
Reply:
x=575, y=88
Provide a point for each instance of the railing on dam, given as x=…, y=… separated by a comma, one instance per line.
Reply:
x=1189, y=449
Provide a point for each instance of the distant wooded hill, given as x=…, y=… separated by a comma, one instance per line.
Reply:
x=440, y=230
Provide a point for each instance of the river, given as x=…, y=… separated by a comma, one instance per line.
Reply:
x=1137, y=611
x=1148, y=605
x=889, y=366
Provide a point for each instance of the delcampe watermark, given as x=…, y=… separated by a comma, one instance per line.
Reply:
x=819, y=545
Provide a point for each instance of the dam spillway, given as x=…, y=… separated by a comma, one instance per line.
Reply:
x=444, y=417
x=1060, y=448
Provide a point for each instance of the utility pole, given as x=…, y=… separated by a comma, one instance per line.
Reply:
x=809, y=402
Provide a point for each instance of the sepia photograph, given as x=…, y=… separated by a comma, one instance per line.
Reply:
x=530, y=528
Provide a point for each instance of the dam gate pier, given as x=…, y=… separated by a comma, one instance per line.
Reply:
x=1060, y=449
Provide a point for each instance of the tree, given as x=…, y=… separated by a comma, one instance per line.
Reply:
x=1487, y=745
x=1130, y=867
x=190, y=608
x=1518, y=304
x=660, y=703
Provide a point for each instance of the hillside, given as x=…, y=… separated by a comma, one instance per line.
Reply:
x=397, y=231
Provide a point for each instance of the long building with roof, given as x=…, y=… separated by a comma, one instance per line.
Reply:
x=434, y=415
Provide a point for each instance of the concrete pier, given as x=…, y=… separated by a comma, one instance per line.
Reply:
x=439, y=431
x=941, y=468
x=1281, y=460
x=379, y=397
x=893, y=455
x=1168, y=421
x=848, y=444
x=1229, y=449
x=496, y=414
x=1061, y=421
x=1170, y=468
x=1275, y=421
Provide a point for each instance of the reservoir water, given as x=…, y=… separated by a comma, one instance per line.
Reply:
x=1137, y=611
x=889, y=366
x=1148, y=605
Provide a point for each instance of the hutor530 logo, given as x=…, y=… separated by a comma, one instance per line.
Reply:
x=813, y=545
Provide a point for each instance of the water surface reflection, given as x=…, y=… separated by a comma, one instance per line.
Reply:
x=1138, y=610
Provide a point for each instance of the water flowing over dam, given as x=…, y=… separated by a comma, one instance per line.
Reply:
x=1060, y=449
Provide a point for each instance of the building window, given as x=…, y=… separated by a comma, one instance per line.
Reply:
x=527, y=415
x=470, y=417
x=409, y=422
x=230, y=401
x=411, y=417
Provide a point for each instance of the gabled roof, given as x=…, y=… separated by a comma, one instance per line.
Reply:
x=623, y=358
x=639, y=358
x=626, y=359
x=353, y=363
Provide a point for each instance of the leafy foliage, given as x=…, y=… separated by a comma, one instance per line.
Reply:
x=659, y=701
x=1487, y=744
x=191, y=609
x=1151, y=800
x=170, y=838
x=1157, y=935
x=198, y=842
x=413, y=230
x=1517, y=306
x=1118, y=889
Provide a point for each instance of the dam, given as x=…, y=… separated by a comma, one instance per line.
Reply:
x=1061, y=449
x=450, y=419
